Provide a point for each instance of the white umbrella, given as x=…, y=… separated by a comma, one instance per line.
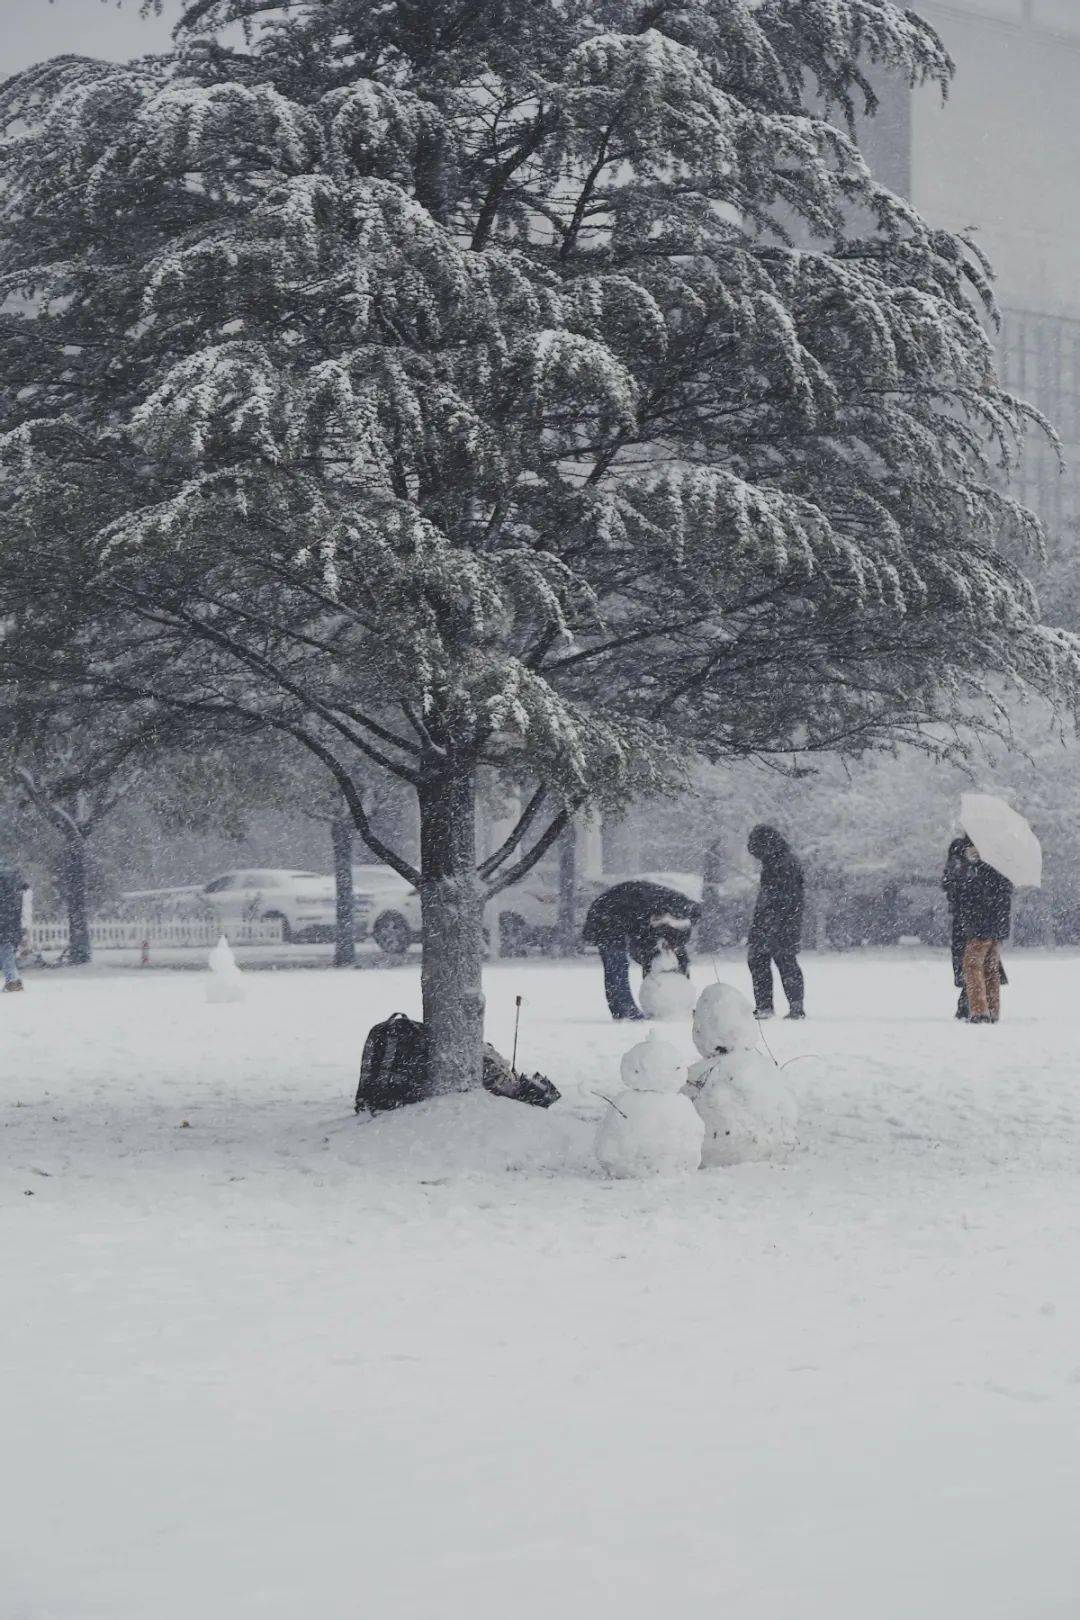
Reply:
x=1003, y=838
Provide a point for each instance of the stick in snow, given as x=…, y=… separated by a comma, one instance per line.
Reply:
x=517, y=1022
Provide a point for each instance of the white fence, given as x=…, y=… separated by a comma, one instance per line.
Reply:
x=133, y=933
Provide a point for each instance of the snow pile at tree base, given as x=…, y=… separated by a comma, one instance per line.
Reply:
x=469, y=1133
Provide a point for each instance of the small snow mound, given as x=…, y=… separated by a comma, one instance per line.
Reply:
x=471, y=1133
x=724, y=1021
x=653, y=1065
x=666, y=992
x=226, y=982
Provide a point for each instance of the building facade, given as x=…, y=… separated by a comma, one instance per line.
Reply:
x=1001, y=156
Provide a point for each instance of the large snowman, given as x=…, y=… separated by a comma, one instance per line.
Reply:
x=747, y=1111
x=651, y=1128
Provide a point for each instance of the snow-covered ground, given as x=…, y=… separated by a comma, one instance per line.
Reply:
x=263, y=1360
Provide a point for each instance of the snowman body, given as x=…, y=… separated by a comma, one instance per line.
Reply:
x=226, y=982
x=747, y=1111
x=650, y=1128
x=666, y=992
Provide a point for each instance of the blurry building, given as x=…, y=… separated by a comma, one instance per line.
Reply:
x=1002, y=155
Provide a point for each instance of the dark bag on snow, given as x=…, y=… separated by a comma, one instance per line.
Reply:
x=393, y=1071
x=503, y=1081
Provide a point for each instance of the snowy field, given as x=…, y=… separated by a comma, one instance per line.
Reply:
x=261, y=1359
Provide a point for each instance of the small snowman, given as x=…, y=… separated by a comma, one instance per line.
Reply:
x=666, y=992
x=651, y=1129
x=747, y=1111
x=226, y=982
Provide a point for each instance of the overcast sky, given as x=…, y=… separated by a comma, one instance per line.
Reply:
x=31, y=30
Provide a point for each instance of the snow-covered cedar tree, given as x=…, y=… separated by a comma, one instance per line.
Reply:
x=547, y=386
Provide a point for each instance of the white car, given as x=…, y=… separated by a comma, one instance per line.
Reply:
x=391, y=905
x=304, y=902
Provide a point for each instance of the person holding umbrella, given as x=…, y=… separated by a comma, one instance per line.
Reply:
x=984, y=913
x=1000, y=850
x=953, y=879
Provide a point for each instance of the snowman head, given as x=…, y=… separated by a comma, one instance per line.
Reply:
x=723, y=1021
x=665, y=961
x=653, y=1065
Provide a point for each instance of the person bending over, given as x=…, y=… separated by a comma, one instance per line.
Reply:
x=637, y=919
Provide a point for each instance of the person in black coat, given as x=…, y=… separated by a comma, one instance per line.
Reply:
x=952, y=880
x=957, y=868
x=12, y=888
x=776, y=926
x=637, y=919
x=984, y=912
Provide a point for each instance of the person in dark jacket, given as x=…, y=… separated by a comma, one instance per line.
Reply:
x=952, y=880
x=776, y=926
x=12, y=888
x=984, y=910
x=637, y=919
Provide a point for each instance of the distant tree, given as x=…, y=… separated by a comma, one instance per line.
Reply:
x=73, y=775
x=275, y=770
x=439, y=384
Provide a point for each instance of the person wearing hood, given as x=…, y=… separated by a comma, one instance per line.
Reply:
x=984, y=913
x=637, y=919
x=776, y=926
x=12, y=888
x=953, y=878
x=952, y=881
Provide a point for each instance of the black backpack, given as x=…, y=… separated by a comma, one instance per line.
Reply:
x=393, y=1069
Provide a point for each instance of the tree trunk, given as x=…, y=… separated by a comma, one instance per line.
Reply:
x=452, y=916
x=341, y=835
x=709, y=930
x=74, y=884
x=567, y=928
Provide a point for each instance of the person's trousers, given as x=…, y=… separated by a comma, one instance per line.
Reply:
x=620, y=998
x=8, y=965
x=959, y=946
x=760, y=963
x=982, y=978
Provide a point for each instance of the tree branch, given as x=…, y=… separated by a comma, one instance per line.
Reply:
x=538, y=851
x=524, y=822
x=355, y=803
